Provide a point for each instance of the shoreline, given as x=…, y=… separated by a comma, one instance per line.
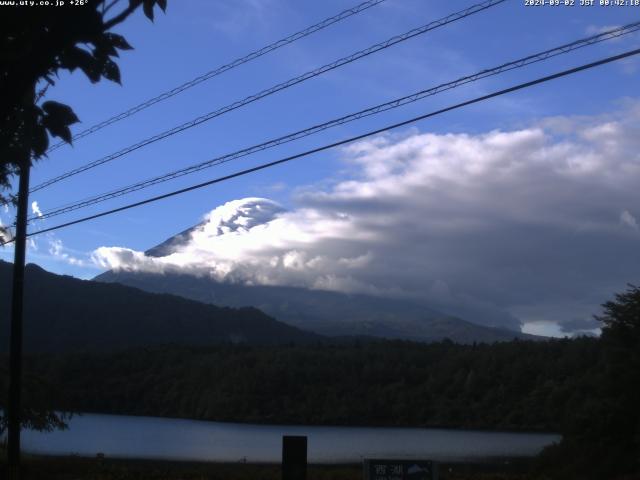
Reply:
x=531, y=431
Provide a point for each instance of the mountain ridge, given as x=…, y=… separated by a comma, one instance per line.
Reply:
x=63, y=313
x=324, y=312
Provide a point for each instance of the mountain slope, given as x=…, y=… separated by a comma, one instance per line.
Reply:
x=63, y=313
x=324, y=312
x=183, y=263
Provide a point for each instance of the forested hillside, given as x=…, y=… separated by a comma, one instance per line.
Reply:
x=65, y=314
x=324, y=312
x=518, y=385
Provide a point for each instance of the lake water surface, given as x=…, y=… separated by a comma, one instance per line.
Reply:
x=173, y=439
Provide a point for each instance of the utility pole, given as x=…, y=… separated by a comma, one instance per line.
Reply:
x=17, y=300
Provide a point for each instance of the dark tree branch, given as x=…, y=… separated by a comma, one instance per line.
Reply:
x=41, y=93
x=106, y=9
x=122, y=16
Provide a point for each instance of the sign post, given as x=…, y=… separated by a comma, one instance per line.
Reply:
x=294, y=457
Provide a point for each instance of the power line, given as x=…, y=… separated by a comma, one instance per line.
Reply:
x=276, y=88
x=538, y=57
x=224, y=68
x=341, y=142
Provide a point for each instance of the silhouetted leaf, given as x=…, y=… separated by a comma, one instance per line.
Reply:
x=147, y=7
x=91, y=72
x=162, y=4
x=60, y=131
x=60, y=113
x=105, y=47
x=40, y=141
x=118, y=41
x=75, y=57
x=111, y=71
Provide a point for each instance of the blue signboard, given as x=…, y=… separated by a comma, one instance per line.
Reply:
x=382, y=469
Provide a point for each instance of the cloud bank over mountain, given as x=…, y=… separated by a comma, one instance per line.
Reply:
x=538, y=224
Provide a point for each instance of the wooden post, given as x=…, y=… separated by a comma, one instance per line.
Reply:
x=15, y=345
x=17, y=298
x=294, y=458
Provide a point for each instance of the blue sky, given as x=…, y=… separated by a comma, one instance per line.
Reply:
x=198, y=35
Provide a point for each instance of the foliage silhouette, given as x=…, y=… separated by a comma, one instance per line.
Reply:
x=37, y=43
x=517, y=385
x=602, y=433
x=52, y=39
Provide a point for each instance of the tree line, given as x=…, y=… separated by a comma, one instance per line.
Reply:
x=518, y=385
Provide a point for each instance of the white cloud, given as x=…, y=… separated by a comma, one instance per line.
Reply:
x=629, y=220
x=59, y=252
x=479, y=225
x=35, y=209
x=55, y=247
x=256, y=242
x=598, y=29
x=234, y=18
x=5, y=233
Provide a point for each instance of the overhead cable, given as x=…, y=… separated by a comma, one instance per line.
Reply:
x=339, y=143
x=276, y=88
x=224, y=68
x=528, y=60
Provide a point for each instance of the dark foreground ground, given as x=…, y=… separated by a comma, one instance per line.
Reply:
x=76, y=468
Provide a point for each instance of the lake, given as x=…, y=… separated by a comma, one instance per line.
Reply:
x=174, y=439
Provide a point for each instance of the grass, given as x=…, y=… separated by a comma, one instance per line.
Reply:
x=76, y=468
